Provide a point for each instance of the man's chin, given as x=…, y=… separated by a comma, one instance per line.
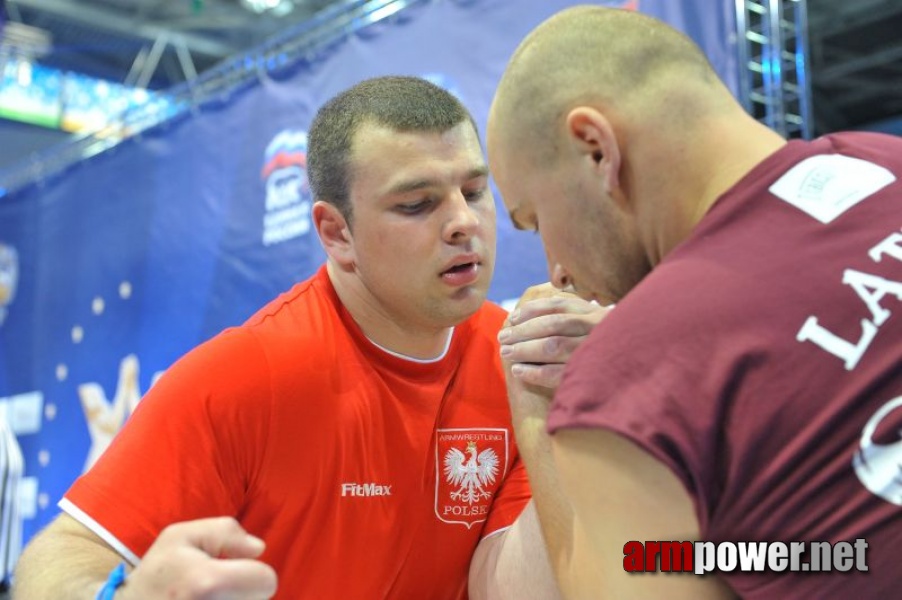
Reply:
x=466, y=301
x=477, y=295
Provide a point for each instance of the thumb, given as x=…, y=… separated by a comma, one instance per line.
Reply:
x=223, y=537
x=242, y=546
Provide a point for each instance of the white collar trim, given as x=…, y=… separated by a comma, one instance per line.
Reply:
x=425, y=361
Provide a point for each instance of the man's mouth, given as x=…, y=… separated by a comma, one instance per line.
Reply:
x=461, y=268
x=463, y=273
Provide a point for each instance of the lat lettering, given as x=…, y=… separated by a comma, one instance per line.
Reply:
x=891, y=246
x=871, y=289
x=848, y=352
x=863, y=283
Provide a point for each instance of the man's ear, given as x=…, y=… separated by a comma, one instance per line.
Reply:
x=334, y=233
x=595, y=139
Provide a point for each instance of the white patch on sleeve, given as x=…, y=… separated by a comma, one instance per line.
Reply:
x=827, y=185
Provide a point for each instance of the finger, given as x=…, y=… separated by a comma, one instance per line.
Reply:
x=220, y=537
x=544, y=376
x=555, y=349
x=241, y=579
x=246, y=546
x=567, y=325
x=561, y=303
x=219, y=579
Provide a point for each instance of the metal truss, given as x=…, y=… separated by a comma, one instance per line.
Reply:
x=774, y=77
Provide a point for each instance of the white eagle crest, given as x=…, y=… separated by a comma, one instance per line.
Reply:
x=470, y=475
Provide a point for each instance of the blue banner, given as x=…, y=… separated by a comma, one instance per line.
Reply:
x=114, y=268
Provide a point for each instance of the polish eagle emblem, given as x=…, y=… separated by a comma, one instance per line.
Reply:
x=470, y=475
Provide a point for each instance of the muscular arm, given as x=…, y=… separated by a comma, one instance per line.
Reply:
x=515, y=563
x=497, y=571
x=618, y=493
x=545, y=329
x=593, y=489
x=65, y=560
x=202, y=559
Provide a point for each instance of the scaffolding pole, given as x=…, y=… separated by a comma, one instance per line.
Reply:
x=774, y=78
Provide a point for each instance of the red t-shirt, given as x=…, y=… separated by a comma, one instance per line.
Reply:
x=762, y=362
x=367, y=474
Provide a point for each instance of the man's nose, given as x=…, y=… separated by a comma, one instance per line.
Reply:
x=560, y=278
x=462, y=220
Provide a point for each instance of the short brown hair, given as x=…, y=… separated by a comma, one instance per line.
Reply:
x=400, y=103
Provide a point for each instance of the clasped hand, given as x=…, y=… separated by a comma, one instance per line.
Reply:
x=543, y=331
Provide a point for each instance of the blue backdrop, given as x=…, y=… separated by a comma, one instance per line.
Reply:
x=112, y=269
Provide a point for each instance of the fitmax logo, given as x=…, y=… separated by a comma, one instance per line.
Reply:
x=365, y=489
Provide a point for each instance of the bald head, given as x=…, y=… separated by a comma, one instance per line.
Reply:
x=620, y=60
x=611, y=136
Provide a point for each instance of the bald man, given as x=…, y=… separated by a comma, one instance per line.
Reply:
x=748, y=384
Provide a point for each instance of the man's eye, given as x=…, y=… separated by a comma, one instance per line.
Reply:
x=412, y=207
x=474, y=195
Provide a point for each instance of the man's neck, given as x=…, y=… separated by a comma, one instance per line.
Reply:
x=721, y=157
x=410, y=340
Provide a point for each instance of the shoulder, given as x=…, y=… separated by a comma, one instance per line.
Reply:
x=299, y=327
x=659, y=343
x=681, y=296
x=230, y=364
x=278, y=347
x=304, y=299
x=850, y=142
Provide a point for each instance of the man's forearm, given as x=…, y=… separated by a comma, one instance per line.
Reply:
x=513, y=565
x=60, y=564
x=538, y=339
x=529, y=408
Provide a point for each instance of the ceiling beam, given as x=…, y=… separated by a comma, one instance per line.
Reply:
x=829, y=17
x=874, y=93
x=125, y=26
x=884, y=57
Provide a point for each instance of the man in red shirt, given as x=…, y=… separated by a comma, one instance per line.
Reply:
x=748, y=385
x=353, y=439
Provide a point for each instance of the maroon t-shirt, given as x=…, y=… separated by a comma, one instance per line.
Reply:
x=762, y=362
